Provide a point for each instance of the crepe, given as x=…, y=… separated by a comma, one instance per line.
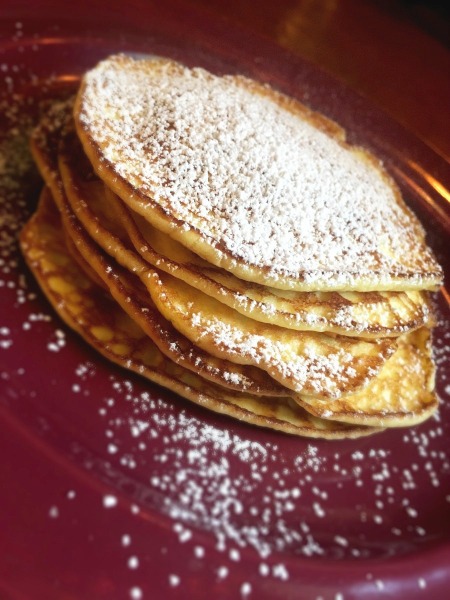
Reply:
x=401, y=395
x=249, y=180
x=317, y=352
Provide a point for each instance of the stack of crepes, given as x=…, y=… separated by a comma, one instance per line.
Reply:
x=226, y=242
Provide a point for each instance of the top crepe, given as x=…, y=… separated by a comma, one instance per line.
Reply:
x=250, y=180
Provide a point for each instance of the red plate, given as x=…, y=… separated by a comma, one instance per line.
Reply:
x=114, y=488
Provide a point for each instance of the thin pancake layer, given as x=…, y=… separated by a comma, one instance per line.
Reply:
x=109, y=330
x=401, y=395
x=249, y=180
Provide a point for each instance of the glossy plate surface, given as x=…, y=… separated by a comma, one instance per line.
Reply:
x=114, y=488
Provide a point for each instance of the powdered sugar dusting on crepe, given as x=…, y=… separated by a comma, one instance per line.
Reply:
x=266, y=186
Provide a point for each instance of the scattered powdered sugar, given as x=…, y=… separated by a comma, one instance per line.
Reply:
x=174, y=580
x=422, y=583
x=136, y=593
x=133, y=562
x=109, y=501
x=196, y=473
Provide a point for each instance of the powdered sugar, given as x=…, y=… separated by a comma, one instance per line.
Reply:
x=260, y=183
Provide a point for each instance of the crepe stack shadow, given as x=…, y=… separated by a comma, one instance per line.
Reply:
x=226, y=242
